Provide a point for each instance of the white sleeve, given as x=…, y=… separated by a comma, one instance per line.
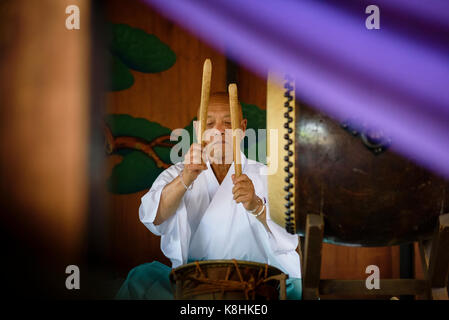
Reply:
x=282, y=243
x=280, y=240
x=284, y=246
x=175, y=231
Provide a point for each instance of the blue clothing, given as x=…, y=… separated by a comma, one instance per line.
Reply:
x=150, y=281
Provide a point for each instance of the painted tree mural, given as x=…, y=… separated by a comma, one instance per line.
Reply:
x=142, y=148
x=139, y=149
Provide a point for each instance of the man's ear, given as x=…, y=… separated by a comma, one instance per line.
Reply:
x=243, y=124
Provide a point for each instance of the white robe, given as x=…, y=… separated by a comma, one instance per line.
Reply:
x=209, y=224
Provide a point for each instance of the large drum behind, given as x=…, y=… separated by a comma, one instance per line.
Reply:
x=367, y=197
x=228, y=280
x=367, y=194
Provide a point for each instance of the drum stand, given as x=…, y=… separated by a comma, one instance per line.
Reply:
x=434, y=258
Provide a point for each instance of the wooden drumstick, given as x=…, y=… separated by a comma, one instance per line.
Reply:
x=235, y=121
x=205, y=93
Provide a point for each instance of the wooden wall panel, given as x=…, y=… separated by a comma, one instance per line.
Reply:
x=349, y=263
x=342, y=262
x=252, y=87
x=419, y=272
x=170, y=98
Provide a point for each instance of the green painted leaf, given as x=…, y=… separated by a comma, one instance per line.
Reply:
x=140, y=50
x=126, y=125
x=253, y=149
x=256, y=120
x=135, y=173
x=120, y=78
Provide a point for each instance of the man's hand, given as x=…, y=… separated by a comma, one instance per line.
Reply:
x=193, y=164
x=244, y=192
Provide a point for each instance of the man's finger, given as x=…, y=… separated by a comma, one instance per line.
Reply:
x=246, y=184
x=241, y=193
x=196, y=166
x=200, y=166
x=243, y=177
x=238, y=187
x=238, y=181
x=236, y=195
x=242, y=198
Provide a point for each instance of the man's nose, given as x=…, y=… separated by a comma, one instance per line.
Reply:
x=221, y=128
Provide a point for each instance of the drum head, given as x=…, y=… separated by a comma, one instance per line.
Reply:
x=226, y=279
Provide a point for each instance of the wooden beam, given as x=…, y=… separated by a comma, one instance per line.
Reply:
x=312, y=259
x=439, y=257
x=388, y=287
x=300, y=251
x=439, y=254
x=44, y=128
x=424, y=250
x=283, y=287
x=440, y=294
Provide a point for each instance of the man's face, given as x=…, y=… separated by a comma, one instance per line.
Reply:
x=218, y=131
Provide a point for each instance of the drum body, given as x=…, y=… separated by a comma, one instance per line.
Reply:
x=367, y=196
x=227, y=280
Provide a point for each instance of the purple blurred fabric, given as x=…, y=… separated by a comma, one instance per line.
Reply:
x=395, y=78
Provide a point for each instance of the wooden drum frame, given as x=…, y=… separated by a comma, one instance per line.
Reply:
x=228, y=280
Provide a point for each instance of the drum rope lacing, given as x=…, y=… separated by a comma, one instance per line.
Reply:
x=289, y=214
x=208, y=286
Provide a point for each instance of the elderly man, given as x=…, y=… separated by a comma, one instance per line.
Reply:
x=203, y=212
